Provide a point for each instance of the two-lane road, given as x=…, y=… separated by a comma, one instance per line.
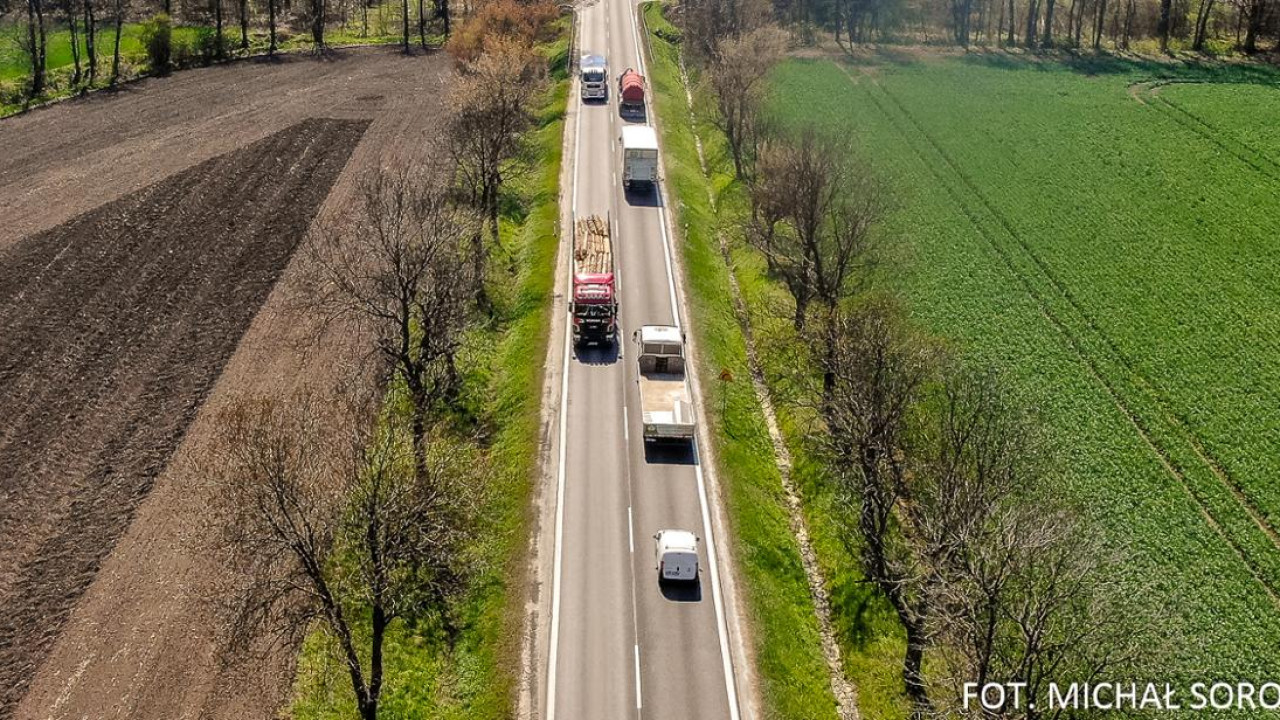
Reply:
x=620, y=645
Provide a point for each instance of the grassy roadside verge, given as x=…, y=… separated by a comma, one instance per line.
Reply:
x=504, y=374
x=785, y=641
x=869, y=638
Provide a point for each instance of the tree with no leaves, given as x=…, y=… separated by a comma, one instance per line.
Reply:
x=1020, y=595
x=90, y=41
x=324, y=518
x=319, y=16
x=115, y=52
x=959, y=518
x=490, y=108
x=737, y=76
x=875, y=374
x=398, y=270
x=707, y=23
x=35, y=46
x=272, y=42
x=814, y=209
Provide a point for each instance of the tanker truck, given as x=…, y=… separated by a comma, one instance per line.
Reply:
x=631, y=92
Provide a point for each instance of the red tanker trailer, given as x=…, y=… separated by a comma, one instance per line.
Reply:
x=631, y=91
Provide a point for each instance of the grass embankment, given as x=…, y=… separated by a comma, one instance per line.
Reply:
x=503, y=366
x=794, y=677
x=870, y=640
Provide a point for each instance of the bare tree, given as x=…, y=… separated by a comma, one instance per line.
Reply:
x=491, y=107
x=873, y=379
x=1163, y=25
x=708, y=22
x=814, y=209
x=1047, y=40
x=737, y=77
x=442, y=12
x=1255, y=12
x=422, y=24
x=35, y=46
x=404, y=22
x=1019, y=592
x=958, y=518
x=1202, y=25
x=398, y=270
x=319, y=16
x=73, y=30
x=115, y=52
x=219, y=34
x=272, y=45
x=324, y=519
x=90, y=40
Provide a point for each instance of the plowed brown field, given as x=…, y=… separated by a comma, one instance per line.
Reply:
x=143, y=237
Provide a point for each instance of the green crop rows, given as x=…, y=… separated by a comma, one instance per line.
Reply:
x=1112, y=240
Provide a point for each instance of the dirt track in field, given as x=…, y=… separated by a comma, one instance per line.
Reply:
x=147, y=268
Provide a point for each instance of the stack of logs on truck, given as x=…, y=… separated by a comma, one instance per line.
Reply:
x=594, y=304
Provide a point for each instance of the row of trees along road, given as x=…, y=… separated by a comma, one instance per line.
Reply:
x=1033, y=24
x=225, y=27
x=949, y=495
x=350, y=508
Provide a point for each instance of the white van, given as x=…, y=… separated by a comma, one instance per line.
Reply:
x=676, y=555
x=639, y=156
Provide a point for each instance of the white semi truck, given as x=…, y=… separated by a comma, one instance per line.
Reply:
x=639, y=156
x=666, y=410
x=595, y=77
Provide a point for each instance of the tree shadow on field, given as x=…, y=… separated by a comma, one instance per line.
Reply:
x=1186, y=69
x=860, y=612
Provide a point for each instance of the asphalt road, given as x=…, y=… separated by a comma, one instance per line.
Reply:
x=621, y=646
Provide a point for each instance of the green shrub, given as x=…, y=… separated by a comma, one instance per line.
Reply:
x=157, y=38
x=206, y=45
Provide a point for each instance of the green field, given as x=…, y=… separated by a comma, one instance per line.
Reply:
x=1111, y=241
x=14, y=64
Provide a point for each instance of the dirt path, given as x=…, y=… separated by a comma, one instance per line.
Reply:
x=118, y=323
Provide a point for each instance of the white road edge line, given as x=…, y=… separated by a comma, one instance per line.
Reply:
x=712, y=560
x=631, y=532
x=564, y=402
x=638, y=703
x=626, y=430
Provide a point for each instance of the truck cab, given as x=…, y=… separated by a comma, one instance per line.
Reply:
x=594, y=76
x=676, y=556
x=639, y=156
x=595, y=310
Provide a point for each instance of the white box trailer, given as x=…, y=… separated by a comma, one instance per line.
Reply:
x=666, y=410
x=639, y=156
